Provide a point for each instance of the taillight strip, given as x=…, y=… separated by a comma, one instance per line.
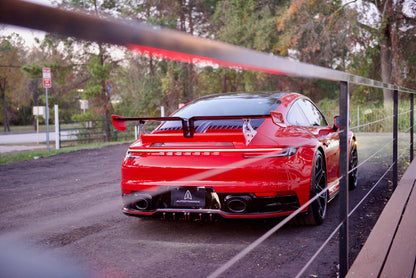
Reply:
x=208, y=150
x=246, y=153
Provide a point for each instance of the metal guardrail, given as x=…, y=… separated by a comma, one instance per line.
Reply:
x=169, y=44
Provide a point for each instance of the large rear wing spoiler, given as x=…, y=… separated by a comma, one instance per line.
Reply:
x=188, y=125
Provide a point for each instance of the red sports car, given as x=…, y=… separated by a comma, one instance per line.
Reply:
x=236, y=155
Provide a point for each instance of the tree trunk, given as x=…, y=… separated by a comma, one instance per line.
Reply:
x=106, y=96
x=182, y=20
x=3, y=83
x=190, y=67
x=34, y=87
x=224, y=83
x=386, y=71
x=386, y=50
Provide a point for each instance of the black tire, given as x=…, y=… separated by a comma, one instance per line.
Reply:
x=317, y=209
x=353, y=162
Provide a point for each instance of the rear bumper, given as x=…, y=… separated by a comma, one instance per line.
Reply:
x=224, y=205
x=195, y=215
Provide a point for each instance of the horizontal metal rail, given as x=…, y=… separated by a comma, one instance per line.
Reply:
x=166, y=44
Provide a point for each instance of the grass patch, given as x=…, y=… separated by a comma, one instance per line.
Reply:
x=6, y=158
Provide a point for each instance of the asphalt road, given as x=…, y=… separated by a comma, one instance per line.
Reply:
x=66, y=210
x=14, y=142
x=20, y=138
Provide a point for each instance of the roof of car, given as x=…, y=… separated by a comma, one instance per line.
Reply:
x=274, y=95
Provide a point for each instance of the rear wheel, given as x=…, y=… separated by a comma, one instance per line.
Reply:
x=317, y=209
x=353, y=162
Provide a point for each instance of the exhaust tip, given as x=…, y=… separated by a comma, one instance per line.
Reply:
x=143, y=201
x=237, y=204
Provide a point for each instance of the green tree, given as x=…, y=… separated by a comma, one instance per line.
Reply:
x=95, y=76
x=168, y=83
x=55, y=53
x=253, y=24
x=391, y=30
x=316, y=32
x=249, y=24
x=11, y=80
x=346, y=36
x=34, y=73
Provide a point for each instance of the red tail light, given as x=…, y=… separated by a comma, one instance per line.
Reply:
x=245, y=153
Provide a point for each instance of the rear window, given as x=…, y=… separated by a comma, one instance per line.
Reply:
x=226, y=105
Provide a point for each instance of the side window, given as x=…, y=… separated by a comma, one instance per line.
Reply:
x=312, y=113
x=295, y=116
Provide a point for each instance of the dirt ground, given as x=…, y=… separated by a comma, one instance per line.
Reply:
x=67, y=208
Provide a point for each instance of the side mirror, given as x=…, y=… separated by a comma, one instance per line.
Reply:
x=277, y=119
x=336, y=123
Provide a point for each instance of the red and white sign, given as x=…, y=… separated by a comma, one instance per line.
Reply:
x=47, y=81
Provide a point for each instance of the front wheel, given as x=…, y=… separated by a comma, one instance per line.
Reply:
x=317, y=209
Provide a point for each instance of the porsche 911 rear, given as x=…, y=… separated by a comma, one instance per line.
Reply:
x=218, y=156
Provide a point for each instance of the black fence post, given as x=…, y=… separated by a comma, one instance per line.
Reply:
x=343, y=172
x=412, y=123
x=88, y=132
x=395, y=136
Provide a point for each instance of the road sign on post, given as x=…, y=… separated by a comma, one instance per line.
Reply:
x=84, y=104
x=47, y=83
x=38, y=111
